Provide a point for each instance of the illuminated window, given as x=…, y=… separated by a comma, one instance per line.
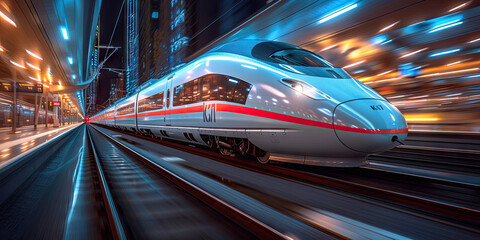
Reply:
x=212, y=87
x=150, y=103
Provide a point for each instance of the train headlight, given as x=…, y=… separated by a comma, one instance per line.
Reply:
x=304, y=88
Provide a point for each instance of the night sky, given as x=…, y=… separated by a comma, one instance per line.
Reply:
x=108, y=17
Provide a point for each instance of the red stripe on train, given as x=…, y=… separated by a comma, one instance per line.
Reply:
x=221, y=107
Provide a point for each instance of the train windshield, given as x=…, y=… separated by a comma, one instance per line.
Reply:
x=299, y=57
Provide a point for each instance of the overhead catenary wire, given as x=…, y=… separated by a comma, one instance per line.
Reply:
x=113, y=32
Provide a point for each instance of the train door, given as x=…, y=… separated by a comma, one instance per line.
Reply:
x=168, y=101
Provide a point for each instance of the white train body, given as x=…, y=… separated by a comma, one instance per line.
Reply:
x=259, y=98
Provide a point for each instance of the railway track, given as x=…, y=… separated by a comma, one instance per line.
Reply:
x=144, y=198
x=466, y=161
x=441, y=209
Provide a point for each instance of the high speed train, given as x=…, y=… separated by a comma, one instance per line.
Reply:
x=271, y=100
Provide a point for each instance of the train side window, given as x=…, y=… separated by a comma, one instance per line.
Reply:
x=178, y=93
x=196, y=90
x=211, y=87
x=241, y=92
x=126, y=109
x=153, y=102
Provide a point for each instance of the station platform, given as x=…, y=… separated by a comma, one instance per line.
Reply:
x=26, y=139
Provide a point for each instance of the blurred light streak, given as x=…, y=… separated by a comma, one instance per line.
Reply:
x=453, y=63
x=384, y=80
x=64, y=32
x=74, y=76
x=383, y=43
x=329, y=47
x=445, y=52
x=70, y=60
x=421, y=119
x=338, y=12
x=474, y=76
x=354, y=64
x=359, y=71
x=450, y=72
x=399, y=96
x=383, y=73
x=414, y=52
x=445, y=26
x=6, y=18
x=17, y=64
x=475, y=40
x=423, y=96
x=459, y=6
x=388, y=27
x=33, y=54
x=33, y=66
x=380, y=39
x=35, y=79
x=1, y=49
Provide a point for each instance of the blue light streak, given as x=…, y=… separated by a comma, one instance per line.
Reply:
x=383, y=43
x=338, y=12
x=381, y=39
x=445, y=52
x=70, y=60
x=232, y=80
x=445, y=26
x=64, y=32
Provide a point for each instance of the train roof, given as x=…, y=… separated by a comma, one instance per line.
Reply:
x=260, y=49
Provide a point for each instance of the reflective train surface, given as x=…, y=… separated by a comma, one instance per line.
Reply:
x=270, y=100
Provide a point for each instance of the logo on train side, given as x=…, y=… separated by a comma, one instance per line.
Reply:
x=376, y=107
x=209, y=112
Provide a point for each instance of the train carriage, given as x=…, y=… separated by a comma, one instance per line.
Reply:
x=272, y=100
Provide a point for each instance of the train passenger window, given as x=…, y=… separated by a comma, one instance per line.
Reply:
x=126, y=109
x=153, y=102
x=299, y=57
x=241, y=92
x=196, y=91
x=210, y=88
x=211, y=85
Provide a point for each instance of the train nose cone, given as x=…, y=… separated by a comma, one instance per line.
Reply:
x=368, y=125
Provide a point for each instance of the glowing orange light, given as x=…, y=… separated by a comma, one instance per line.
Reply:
x=17, y=64
x=421, y=119
x=34, y=55
x=6, y=18
x=450, y=72
x=33, y=66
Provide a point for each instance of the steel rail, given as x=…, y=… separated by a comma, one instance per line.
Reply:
x=114, y=220
x=246, y=221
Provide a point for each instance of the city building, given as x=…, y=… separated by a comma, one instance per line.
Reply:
x=91, y=91
x=161, y=35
